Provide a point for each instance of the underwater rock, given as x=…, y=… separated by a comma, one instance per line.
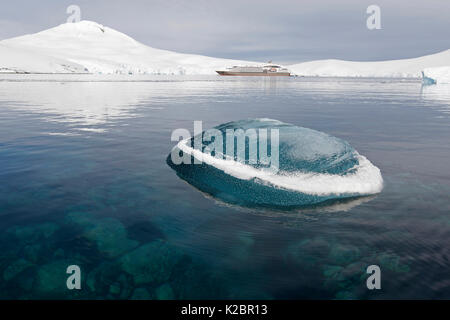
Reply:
x=151, y=263
x=307, y=252
x=332, y=272
x=349, y=282
x=194, y=281
x=345, y=295
x=305, y=167
x=26, y=280
x=332, y=277
x=59, y=254
x=348, y=277
x=32, y=252
x=15, y=268
x=145, y=231
x=114, y=289
x=391, y=262
x=80, y=218
x=344, y=254
x=165, y=292
x=106, y=277
x=250, y=294
x=51, y=278
x=125, y=285
x=33, y=233
x=109, y=234
x=356, y=271
x=141, y=294
x=241, y=251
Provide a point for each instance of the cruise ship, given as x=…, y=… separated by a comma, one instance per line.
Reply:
x=268, y=70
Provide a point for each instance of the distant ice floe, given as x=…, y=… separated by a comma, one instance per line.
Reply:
x=438, y=75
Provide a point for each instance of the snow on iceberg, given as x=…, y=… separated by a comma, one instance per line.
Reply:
x=438, y=75
x=314, y=168
x=405, y=68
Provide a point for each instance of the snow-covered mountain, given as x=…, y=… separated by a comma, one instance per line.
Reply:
x=87, y=46
x=391, y=68
x=21, y=60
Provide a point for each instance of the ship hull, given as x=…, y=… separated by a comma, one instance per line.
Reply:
x=254, y=74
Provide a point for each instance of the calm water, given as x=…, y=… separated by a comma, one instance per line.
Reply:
x=84, y=181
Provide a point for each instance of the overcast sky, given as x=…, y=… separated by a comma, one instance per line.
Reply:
x=285, y=31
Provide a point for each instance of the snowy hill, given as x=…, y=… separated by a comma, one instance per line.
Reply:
x=90, y=47
x=99, y=49
x=18, y=60
x=392, y=68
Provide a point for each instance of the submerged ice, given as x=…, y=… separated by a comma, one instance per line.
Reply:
x=312, y=167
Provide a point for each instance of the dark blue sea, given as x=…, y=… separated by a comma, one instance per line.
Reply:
x=84, y=181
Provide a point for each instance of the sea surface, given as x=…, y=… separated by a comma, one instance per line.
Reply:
x=84, y=181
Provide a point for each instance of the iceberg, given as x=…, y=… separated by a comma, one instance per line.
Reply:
x=313, y=168
x=439, y=75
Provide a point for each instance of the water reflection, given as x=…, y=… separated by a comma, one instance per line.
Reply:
x=332, y=206
x=439, y=94
x=83, y=106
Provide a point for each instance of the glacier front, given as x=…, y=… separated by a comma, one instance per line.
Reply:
x=403, y=68
x=439, y=75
